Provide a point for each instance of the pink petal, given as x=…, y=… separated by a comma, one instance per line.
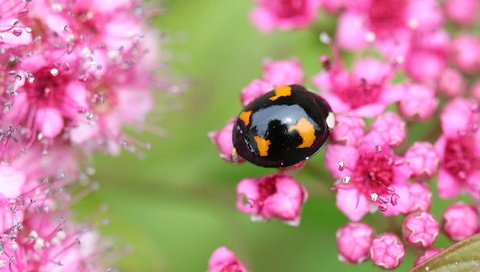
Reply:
x=351, y=32
x=336, y=155
x=352, y=203
x=11, y=181
x=49, y=121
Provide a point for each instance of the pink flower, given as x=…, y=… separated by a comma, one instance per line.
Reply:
x=411, y=197
x=420, y=229
x=367, y=178
x=363, y=93
x=276, y=196
x=275, y=74
x=429, y=253
x=418, y=102
x=452, y=83
x=387, y=251
x=353, y=242
x=348, y=130
x=223, y=260
x=458, y=149
x=270, y=15
x=423, y=160
x=463, y=12
x=389, y=129
x=223, y=140
x=465, y=52
x=460, y=221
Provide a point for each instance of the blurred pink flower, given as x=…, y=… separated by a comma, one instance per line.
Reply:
x=418, y=102
x=465, y=53
x=423, y=160
x=387, y=251
x=365, y=92
x=349, y=129
x=223, y=260
x=452, y=83
x=463, y=12
x=460, y=221
x=270, y=15
x=276, y=196
x=353, y=242
x=223, y=140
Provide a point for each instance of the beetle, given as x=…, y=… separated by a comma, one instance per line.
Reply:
x=282, y=127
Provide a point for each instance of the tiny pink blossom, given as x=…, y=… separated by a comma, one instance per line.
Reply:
x=270, y=15
x=366, y=178
x=420, y=229
x=431, y=50
x=452, y=83
x=348, y=129
x=283, y=72
x=223, y=140
x=429, y=253
x=390, y=128
x=276, y=196
x=364, y=92
x=420, y=197
x=460, y=221
x=465, y=51
x=418, y=103
x=224, y=260
x=463, y=12
x=353, y=242
x=458, y=117
x=387, y=251
x=423, y=159
x=253, y=90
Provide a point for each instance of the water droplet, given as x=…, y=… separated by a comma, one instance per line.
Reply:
x=341, y=166
x=54, y=72
x=325, y=38
x=346, y=179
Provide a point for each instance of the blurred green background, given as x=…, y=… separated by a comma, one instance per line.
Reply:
x=176, y=206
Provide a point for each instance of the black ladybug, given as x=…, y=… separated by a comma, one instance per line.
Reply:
x=282, y=127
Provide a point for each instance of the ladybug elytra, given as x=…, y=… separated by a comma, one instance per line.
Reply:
x=282, y=127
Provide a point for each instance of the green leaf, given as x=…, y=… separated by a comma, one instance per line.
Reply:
x=462, y=256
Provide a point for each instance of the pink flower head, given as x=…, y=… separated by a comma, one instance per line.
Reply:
x=275, y=74
x=276, y=196
x=223, y=140
x=223, y=260
x=364, y=92
x=353, y=242
x=387, y=251
x=423, y=160
x=388, y=129
x=465, y=52
x=463, y=12
x=418, y=102
x=452, y=83
x=366, y=178
x=431, y=50
x=458, y=149
x=270, y=15
x=348, y=130
x=460, y=221
x=429, y=253
x=420, y=229
x=386, y=21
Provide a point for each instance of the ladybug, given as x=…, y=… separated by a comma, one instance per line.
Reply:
x=282, y=127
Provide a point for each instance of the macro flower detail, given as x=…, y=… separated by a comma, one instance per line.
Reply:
x=420, y=229
x=460, y=221
x=275, y=196
x=387, y=251
x=224, y=260
x=353, y=242
x=423, y=160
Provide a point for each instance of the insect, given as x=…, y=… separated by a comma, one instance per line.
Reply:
x=282, y=127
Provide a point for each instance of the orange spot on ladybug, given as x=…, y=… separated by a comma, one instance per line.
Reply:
x=306, y=131
x=245, y=117
x=262, y=145
x=280, y=92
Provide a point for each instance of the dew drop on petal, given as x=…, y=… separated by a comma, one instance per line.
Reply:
x=346, y=179
x=54, y=72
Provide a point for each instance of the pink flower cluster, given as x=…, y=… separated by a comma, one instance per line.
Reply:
x=73, y=74
x=409, y=74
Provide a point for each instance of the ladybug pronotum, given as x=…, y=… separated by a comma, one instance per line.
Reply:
x=282, y=127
